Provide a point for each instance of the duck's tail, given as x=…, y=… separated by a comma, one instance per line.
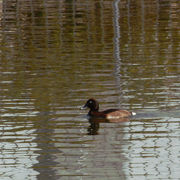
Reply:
x=133, y=113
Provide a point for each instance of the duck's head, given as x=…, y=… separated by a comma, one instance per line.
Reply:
x=92, y=104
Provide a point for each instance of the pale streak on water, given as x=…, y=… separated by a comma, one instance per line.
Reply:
x=57, y=54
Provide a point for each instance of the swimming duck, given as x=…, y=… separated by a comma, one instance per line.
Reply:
x=93, y=105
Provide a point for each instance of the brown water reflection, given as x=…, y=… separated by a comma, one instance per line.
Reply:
x=54, y=55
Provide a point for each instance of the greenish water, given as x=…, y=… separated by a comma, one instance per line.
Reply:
x=54, y=55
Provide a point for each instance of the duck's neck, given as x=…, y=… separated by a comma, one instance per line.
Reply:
x=92, y=110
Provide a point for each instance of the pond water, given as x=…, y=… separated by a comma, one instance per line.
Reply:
x=54, y=55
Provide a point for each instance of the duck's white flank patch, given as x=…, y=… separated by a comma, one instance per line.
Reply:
x=112, y=117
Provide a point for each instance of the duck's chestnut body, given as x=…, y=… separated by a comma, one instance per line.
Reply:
x=93, y=105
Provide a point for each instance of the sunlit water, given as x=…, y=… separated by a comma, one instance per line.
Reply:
x=57, y=54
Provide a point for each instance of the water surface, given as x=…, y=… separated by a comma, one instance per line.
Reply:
x=57, y=54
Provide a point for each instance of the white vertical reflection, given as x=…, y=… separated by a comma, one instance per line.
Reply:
x=116, y=43
x=116, y=33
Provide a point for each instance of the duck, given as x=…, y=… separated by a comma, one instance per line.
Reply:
x=93, y=105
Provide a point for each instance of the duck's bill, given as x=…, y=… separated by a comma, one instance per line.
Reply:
x=83, y=107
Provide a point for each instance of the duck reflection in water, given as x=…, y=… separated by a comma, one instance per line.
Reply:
x=95, y=123
x=107, y=116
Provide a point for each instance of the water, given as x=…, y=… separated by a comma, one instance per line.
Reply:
x=57, y=54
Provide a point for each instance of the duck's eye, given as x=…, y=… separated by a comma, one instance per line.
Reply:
x=90, y=102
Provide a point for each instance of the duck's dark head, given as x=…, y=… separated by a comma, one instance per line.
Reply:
x=92, y=104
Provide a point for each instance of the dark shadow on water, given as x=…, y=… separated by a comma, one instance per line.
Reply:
x=93, y=128
x=95, y=123
x=47, y=159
